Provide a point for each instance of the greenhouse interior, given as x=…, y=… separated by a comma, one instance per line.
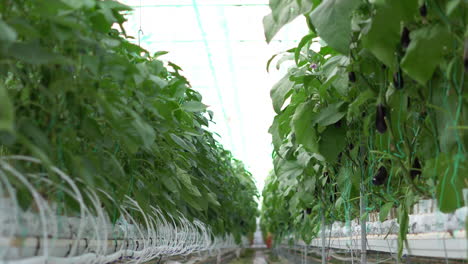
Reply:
x=233, y=131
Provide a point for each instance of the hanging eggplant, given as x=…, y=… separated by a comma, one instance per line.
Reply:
x=338, y=124
x=416, y=169
x=352, y=77
x=309, y=211
x=423, y=10
x=380, y=119
x=380, y=177
x=405, y=38
x=398, y=81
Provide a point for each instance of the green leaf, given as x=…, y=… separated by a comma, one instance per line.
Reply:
x=77, y=4
x=425, y=52
x=144, y=130
x=306, y=39
x=335, y=72
x=329, y=115
x=7, y=33
x=403, y=221
x=384, y=34
x=159, y=54
x=287, y=169
x=339, y=203
x=384, y=210
x=194, y=106
x=169, y=183
x=302, y=123
x=184, y=178
x=7, y=111
x=354, y=108
x=211, y=197
x=332, y=20
x=279, y=93
x=182, y=143
x=283, y=12
x=332, y=142
x=281, y=126
x=452, y=174
x=269, y=62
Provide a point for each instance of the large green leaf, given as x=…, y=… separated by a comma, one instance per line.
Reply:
x=7, y=111
x=332, y=20
x=279, y=93
x=144, y=130
x=384, y=210
x=302, y=123
x=334, y=70
x=452, y=174
x=403, y=221
x=194, y=106
x=283, y=12
x=288, y=169
x=425, y=52
x=7, y=33
x=281, y=126
x=384, y=34
x=329, y=115
x=332, y=142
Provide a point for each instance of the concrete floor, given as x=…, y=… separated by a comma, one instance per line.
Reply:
x=259, y=257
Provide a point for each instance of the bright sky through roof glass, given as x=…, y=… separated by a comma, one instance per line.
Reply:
x=221, y=48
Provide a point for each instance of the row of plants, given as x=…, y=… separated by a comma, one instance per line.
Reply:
x=380, y=110
x=76, y=93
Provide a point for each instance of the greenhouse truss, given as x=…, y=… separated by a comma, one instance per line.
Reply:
x=110, y=154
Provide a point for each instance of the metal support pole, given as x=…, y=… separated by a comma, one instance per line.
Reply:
x=362, y=205
x=324, y=260
x=306, y=249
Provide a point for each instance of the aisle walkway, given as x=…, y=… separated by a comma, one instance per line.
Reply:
x=259, y=257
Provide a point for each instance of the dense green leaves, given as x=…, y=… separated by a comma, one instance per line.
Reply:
x=6, y=111
x=75, y=93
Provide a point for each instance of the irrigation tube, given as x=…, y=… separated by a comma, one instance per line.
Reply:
x=39, y=235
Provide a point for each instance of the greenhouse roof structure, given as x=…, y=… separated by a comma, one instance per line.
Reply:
x=219, y=44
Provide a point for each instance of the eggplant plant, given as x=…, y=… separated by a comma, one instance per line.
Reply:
x=392, y=73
